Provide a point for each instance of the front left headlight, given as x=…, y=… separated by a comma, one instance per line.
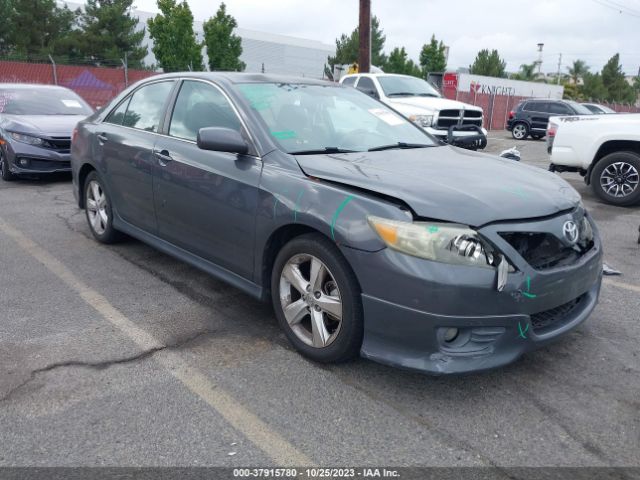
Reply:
x=422, y=120
x=31, y=140
x=440, y=242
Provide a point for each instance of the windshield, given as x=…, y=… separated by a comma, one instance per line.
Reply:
x=399, y=86
x=579, y=109
x=42, y=101
x=315, y=118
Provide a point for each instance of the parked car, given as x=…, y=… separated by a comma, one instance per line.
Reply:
x=363, y=230
x=417, y=100
x=530, y=117
x=36, y=122
x=598, y=109
x=604, y=149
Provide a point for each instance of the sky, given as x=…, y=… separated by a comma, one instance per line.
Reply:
x=592, y=30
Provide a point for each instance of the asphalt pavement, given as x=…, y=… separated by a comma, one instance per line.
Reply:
x=121, y=355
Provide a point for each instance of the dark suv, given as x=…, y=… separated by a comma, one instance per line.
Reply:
x=530, y=117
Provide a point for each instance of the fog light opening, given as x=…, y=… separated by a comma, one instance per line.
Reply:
x=451, y=334
x=24, y=162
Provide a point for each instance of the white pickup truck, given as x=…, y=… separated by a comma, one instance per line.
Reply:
x=604, y=149
x=449, y=120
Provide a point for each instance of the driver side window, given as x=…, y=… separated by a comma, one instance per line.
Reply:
x=200, y=105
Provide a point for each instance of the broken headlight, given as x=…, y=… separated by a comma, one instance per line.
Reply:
x=440, y=242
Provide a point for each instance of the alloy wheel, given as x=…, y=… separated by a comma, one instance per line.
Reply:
x=620, y=179
x=519, y=131
x=310, y=300
x=97, y=207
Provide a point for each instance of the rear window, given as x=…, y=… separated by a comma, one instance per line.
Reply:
x=42, y=101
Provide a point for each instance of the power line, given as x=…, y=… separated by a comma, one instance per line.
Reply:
x=619, y=8
x=624, y=7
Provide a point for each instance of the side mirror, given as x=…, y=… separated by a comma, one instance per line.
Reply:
x=221, y=140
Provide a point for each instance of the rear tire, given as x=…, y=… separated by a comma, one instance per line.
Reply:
x=520, y=131
x=97, y=207
x=314, y=302
x=616, y=178
x=7, y=176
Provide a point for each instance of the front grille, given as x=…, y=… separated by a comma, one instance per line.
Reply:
x=554, y=317
x=60, y=144
x=543, y=250
x=447, y=118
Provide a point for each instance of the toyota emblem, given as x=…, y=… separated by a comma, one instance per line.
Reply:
x=570, y=230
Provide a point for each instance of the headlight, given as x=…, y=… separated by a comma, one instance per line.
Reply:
x=586, y=231
x=19, y=137
x=422, y=120
x=440, y=242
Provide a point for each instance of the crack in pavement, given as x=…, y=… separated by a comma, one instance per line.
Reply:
x=104, y=364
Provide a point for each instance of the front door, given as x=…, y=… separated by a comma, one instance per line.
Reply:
x=206, y=201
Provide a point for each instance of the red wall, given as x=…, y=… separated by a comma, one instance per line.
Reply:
x=96, y=85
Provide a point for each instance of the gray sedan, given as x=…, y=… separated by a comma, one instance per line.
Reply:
x=369, y=236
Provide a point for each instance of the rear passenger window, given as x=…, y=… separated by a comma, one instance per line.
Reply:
x=200, y=105
x=146, y=106
x=537, y=107
x=350, y=81
x=366, y=85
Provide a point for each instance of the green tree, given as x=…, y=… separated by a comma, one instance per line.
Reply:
x=593, y=87
x=109, y=33
x=578, y=70
x=175, y=45
x=347, y=47
x=489, y=64
x=37, y=27
x=7, y=12
x=526, y=73
x=399, y=62
x=433, y=57
x=613, y=78
x=223, y=47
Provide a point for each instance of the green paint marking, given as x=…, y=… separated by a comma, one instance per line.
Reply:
x=337, y=214
x=432, y=229
x=295, y=208
x=522, y=332
x=528, y=293
x=284, y=135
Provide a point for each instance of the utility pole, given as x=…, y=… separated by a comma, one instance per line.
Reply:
x=125, y=65
x=364, y=54
x=559, y=66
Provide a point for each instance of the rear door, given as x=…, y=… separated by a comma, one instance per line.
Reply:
x=206, y=201
x=538, y=113
x=124, y=142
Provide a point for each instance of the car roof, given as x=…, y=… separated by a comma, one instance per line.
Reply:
x=31, y=86
x=238, y=77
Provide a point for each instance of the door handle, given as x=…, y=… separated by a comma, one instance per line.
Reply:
x=163, y=157
x=102, y=138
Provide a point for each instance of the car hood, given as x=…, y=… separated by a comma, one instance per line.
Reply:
x=429, y=103
x=48, y=125
x=450, y=184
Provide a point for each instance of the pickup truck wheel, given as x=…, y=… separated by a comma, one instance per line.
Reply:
x=616, y=178
x=520, y=131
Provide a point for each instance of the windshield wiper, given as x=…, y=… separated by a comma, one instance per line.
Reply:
x=401, y=94
x=427, y=95
x=319, y=151
x=400, y=145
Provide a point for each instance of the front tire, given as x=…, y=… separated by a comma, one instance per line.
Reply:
x=97, y=207
x=316, y=298
x=520, y=131
x=7, y=176
x=616, y=178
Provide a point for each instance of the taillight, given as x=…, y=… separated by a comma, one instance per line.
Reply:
x=552, y=128
x=511, y=114
x=74, y=135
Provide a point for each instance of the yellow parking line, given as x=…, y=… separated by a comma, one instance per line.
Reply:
x=253, y=428
x=626, y=286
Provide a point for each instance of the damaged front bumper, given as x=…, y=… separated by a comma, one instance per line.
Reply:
x=447, y=319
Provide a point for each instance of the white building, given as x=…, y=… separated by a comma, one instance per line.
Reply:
x=261, y=51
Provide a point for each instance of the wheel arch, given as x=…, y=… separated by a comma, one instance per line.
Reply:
x=609, y=147
x=84, y=171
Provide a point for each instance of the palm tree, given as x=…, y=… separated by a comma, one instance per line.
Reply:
x=578, y=70
x=526, y=73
